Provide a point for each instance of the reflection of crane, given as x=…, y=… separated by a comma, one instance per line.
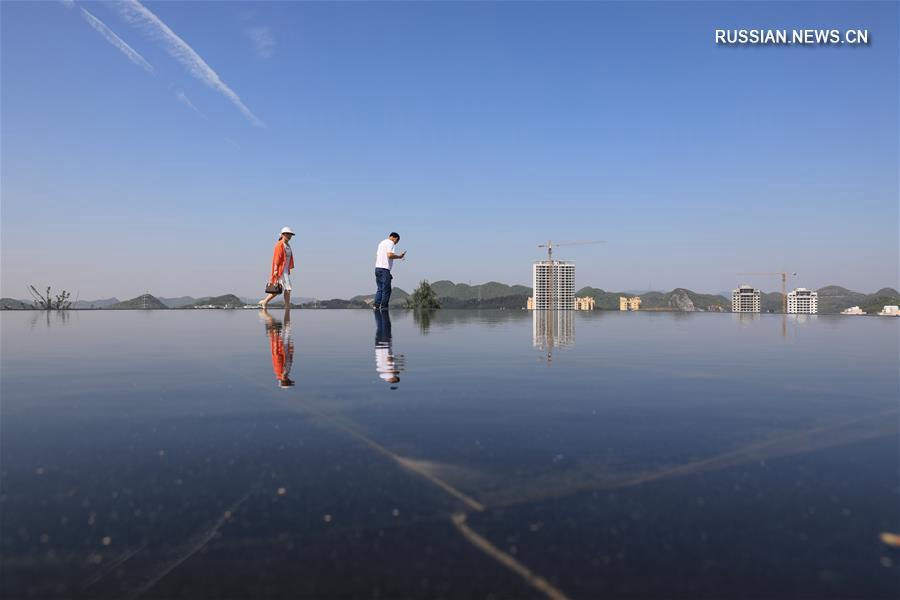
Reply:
x=550, y=246
x=784, y=276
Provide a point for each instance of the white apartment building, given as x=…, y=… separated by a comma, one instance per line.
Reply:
x=802, y=302
x=553, y=284
x=745, y=299
x=853, y=310
x=585, y=303
x=633, y=303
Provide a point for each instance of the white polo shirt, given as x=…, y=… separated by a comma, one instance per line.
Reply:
x=381, y=256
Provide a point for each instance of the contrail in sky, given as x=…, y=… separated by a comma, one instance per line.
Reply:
x=115, y=40
x=136, y=13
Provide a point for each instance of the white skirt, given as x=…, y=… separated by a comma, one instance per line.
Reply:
x=285, y=281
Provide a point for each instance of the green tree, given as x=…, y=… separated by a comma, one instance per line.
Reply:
x=423, y=298
x=62, y=300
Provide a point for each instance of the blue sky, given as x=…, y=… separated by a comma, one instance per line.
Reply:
x=476, y=130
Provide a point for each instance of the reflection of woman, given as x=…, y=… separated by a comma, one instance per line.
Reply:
x=282, y=264
x=281, y=343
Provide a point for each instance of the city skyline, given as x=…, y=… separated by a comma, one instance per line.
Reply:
x=161, y=146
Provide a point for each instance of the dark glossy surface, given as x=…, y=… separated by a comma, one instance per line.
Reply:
x=188, y=454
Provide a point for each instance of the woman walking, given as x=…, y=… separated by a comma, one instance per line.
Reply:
x=282, y=263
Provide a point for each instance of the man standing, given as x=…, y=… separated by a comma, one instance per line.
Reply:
x=384, y=260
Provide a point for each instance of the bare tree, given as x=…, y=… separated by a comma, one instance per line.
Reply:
x=48, y=301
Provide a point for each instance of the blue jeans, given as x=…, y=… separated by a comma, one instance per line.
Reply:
x=383, y=281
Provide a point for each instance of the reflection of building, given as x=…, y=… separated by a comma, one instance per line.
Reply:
x=552, y=328
x=554, y=285
x=629, y=303
x=745, y=299
x=585, y=303
x=802, y=302
x=889, y=311
x=853, y=310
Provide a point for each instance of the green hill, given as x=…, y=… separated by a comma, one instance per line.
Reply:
x=877, y=301
x=398, y=299
x=225, y=301
x=679, y=299
x=684, y=300
x=180, y=301
x=769, y=302
x=484, y=291
x=834, y=298
x=13, y=304
x=144, y=301
x=339, y=303
x=95, y=304
x=604, y=300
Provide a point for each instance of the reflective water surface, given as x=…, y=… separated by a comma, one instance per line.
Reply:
x=505, y=454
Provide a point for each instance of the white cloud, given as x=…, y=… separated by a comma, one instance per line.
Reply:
x=135, y=13
x=182, y=97
x=68, y=3
x=115, y=40
x=263, y=41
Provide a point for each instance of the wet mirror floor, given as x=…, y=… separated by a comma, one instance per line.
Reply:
x=504, y=454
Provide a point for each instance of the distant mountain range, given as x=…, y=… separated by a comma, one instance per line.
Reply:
x=144, y=302
x=461, y=295
x=102, y=303
x=832, y=299
x=13, y=304
x=679, y=299
x=190, y=301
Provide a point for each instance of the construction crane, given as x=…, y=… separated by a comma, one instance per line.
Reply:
x=784, y=276
x=550, y=246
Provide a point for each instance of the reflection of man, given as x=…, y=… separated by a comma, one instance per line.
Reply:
x=282, y=346
x=387, y=365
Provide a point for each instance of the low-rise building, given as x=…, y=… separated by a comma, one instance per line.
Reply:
x=585, y=303
x=629, y=303
x=890, y=311
x=853, y=310
x=745, y=299
x=802, y=301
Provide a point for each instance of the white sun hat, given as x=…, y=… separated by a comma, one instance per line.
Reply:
x=287, y=230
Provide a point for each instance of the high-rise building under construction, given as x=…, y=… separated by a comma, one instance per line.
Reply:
x=554, y=285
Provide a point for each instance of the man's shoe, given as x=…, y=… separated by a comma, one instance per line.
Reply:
x=375, y=307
